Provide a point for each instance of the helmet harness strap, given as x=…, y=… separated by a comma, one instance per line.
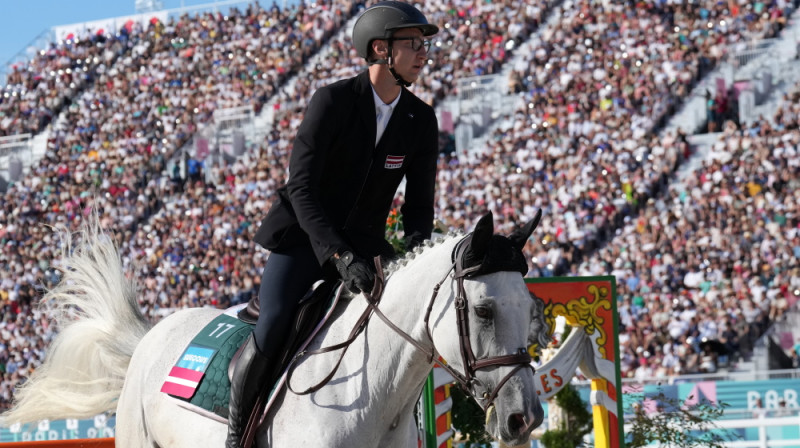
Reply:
x=390, y=62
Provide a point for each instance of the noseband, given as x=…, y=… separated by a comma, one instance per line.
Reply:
x=468, y=380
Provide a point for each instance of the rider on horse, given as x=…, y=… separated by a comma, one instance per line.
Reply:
x=359, y=138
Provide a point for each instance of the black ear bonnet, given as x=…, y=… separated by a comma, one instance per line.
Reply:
x=481, y=252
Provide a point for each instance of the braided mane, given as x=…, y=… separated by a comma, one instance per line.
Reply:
x=409, y=256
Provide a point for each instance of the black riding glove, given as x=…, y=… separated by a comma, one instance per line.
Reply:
x=355, y=272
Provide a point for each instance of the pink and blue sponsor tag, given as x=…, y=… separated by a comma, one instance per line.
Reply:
x=185, y=376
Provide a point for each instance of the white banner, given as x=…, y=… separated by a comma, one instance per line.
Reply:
x=553, y=375
x=577, y=351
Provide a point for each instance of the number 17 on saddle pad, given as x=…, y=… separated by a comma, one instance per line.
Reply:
x=222, y=335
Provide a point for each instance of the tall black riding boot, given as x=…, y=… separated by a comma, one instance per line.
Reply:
x=252, y=369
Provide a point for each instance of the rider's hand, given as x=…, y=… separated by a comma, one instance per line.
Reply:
x=355, y=272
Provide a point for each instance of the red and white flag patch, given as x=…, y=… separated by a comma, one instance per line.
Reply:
x=182, y=382
x=394, y=162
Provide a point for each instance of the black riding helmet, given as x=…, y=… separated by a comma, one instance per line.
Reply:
x=380, y=21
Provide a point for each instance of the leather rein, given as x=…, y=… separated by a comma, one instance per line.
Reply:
x=467, y=380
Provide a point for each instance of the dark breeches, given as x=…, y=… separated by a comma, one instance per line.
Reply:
x=286, y=279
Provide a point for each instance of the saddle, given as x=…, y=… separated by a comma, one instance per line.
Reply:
x=310, y=311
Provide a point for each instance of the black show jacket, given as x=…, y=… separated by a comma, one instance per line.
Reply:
x=341, y=186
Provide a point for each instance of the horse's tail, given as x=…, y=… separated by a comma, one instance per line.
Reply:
x=99, y=325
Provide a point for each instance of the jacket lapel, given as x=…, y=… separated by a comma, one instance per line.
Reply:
x=366, y=108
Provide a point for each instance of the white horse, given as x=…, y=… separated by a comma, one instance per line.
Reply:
x=108, y=357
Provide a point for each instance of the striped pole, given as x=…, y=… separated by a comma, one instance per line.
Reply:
x=438, y=404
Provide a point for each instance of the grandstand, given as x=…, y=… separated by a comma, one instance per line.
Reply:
x=661, y=139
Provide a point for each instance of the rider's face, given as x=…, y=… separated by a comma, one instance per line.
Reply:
x=408, y=62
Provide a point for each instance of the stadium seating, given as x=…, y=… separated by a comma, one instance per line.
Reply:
x=583, y=145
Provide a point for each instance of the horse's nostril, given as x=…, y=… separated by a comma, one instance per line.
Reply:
x=516, y=422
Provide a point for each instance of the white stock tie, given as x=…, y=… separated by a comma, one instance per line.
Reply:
x=382, y=118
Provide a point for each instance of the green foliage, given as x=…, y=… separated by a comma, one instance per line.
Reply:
x=468, y=419
x=565, y=334
x=394, y=232
x=557, y=438
x=570, y=400
x=578, y=422
x=676, y=424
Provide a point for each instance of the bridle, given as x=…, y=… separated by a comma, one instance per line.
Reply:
x=468, y=379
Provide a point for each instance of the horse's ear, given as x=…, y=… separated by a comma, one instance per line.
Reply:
x=481, y=236
x=519, y=236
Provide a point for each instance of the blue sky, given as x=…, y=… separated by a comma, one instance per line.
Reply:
x=24, y=20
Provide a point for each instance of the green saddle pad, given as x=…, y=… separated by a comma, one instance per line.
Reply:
x=200, y=376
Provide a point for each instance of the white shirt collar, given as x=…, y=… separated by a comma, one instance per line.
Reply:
x=379, y=101
x=383, y=112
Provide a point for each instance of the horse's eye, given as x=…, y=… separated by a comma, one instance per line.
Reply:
x=484, y=312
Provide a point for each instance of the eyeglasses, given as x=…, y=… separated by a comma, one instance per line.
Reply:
x=416, y=42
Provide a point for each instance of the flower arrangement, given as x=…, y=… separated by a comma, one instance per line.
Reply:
x=394, y=231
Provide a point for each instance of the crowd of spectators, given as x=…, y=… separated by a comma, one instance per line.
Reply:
x=109, y=152
x=36, y=90
x=582, y=141
x=705, y=269
x=474, y=39
x=582, y=146
x=224, y=205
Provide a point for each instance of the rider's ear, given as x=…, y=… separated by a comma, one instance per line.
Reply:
x=519, y=236
x=379, y=47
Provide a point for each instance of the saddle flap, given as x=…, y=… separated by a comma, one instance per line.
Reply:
x=200, y=374
x=200, y=379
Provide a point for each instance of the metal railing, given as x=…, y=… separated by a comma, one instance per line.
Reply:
x=26, y=53
x=10, y=143
x=225, y=137
x=743, y=414
x=743, y=53
x=233, y=128
x=762, y=424
x=479, y=100
x=754, y=375
x=241, y=118
x=479, y=91
x=16, y=153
